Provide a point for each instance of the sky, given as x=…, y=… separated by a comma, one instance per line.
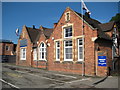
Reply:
x=17, y=14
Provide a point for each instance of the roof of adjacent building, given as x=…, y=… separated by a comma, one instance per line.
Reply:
x=5, y=41
x=101, y=27
x=94, y=23
x=47, y=31
x=107, y=26
x=34, y=33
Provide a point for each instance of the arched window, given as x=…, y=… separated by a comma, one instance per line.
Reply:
x=42, y=51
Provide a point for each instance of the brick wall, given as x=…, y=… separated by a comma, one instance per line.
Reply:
x=40, y=63
x=73, y=66
x=27, y=62
x=4, y=51
x=106, y=48
x=88, y=67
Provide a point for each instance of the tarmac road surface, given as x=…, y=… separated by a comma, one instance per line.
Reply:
x=16, y=77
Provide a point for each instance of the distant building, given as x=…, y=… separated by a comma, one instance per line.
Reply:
x=73, y=45
x=7, y=50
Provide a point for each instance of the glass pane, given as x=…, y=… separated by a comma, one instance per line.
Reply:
x=23, y=49
x=58, y=56
x=42, y=55
x=68, y=56
x=66, y=35
x=80, y=49
x=80, y=56
x=80, y=41
x=70, y=29
x=68, y=32
x=58, y=50
x=42, y=49
x=57, y=53
x=68, y=43
x=67, y=16
x=58, y=44
x=68, y=50
x=42, y=44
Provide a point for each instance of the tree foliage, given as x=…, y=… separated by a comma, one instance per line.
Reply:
x=117, y=20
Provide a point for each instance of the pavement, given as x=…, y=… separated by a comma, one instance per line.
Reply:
x=109, y=82
x=81, y=82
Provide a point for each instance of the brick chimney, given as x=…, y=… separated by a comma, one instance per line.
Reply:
x=87, y=14
x=55, y=24
x=33, y=26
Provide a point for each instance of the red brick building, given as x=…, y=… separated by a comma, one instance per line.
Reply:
x=7, y=49
x=73, y=45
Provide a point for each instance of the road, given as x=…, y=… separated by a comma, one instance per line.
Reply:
x=17, y=77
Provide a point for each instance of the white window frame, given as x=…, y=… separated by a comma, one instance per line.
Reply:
x=69, y=32
x=82, y=46
x=57, y=48
x=65, y=51
x=21, y=54
x=35, y=54
x=40, y=51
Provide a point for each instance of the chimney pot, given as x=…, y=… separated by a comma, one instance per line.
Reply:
x=87, y=15
x=33, y=26
x=55, y=24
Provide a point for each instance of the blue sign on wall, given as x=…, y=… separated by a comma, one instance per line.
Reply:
x=23, y=43
x=102, y=61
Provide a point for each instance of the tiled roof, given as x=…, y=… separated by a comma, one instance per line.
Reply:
x=94, y=23
x=34, y=34
x=107, y=26
x=47, y=32
x=102, y=28
x=5, y=41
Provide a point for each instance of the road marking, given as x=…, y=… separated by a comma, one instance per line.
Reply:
x=71, y=81
x=9, y=84
x=39, y=76
x=64, y=75
x=54, y=79
x=13, y=74
x=78, y=80
x=57, y=74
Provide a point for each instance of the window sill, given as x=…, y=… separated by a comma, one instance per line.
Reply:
x=67, y=21
x=23, y=59
x=42, y=60
x=56, y=61
x=64, y=62
x=35, y=60
x=68, y=60
x=68, y=37
x=79, y=62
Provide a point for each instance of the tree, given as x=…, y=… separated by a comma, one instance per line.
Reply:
x=117, y=20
